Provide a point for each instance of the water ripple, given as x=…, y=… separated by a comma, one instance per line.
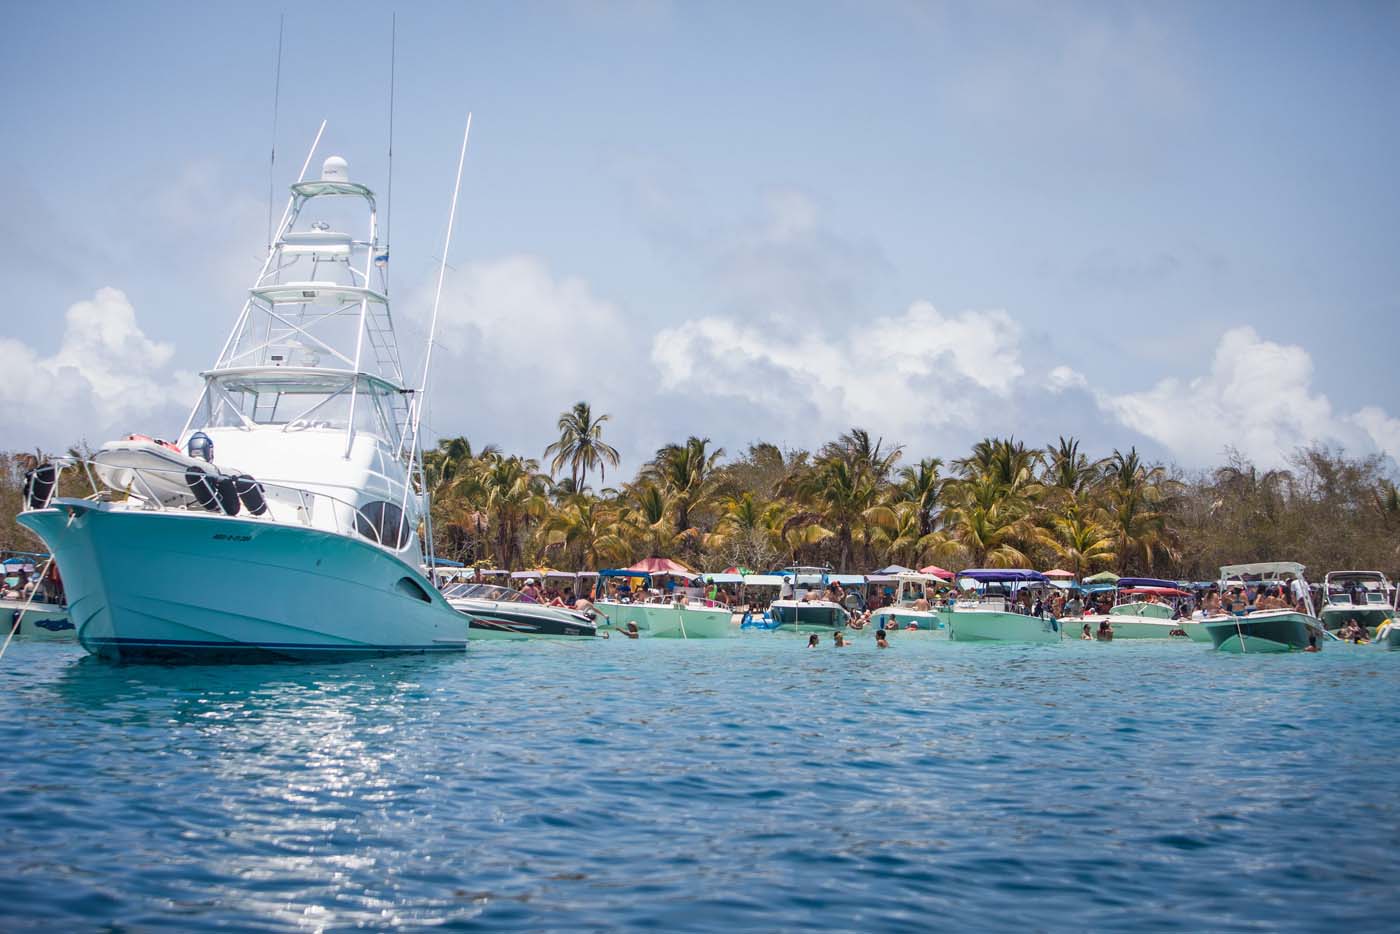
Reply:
x=746, y=784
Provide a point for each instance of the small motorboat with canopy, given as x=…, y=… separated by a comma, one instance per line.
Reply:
x=497, y=612
x=803, y=606
x=1144, y=608
x=1271, y=629
x=1364, y=596
x=995, y=613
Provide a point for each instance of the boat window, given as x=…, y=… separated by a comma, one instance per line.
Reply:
x=491, y=592
x=412, y=588
x=298, y=403
x=384, y=523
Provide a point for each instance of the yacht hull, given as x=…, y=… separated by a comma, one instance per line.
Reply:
x=993, y=626
x=1270, y=631
x=184, y=586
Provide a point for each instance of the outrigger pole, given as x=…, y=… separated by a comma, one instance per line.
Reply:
x=422, y=395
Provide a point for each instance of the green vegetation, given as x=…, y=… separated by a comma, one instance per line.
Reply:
x=855, y=504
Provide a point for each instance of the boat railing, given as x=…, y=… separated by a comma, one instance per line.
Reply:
x=287, y=504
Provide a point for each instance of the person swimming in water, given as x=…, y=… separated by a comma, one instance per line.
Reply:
x=839, y=640
x=813, y=641
x=880, y=641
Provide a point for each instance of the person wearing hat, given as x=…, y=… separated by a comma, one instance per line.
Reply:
x=531, y=593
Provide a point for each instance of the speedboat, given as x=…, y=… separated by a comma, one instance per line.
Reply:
x=1281, y=629
x=282, y=522
x=1140, y=611
x=35, y=610
x=992, y=616
x=1364, y=596
x=685, y=617
x=495, y=612
x=34, y=620
x=807, y=612
x=913, y=595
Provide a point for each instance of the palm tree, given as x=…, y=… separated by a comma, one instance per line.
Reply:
x=1068, y=473
x=452, y=456
x=922, y=486
x=1136, y=494
x=590, y=530
x=986, y=525
x=1079, y=540
x=581, y=444
x=687, y=474
x=511, y=491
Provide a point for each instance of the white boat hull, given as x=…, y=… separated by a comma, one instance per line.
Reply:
x=995, y=626
x=691, y=622
x=899, y=617
x=39, y=621
x=189, y=586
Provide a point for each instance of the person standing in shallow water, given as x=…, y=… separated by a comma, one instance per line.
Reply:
x=880, y=641
x=813, y=641
x=839, y=640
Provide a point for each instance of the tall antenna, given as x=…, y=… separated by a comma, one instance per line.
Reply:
x=389, y=193
x=276, y=102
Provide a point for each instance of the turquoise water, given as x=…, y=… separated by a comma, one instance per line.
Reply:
x=744, y=784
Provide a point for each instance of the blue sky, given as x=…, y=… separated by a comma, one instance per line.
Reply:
x=1170, y=225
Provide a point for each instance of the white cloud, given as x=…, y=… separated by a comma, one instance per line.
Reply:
x=517, y=345
x=1063, y=378
x=896, y=373
x=1258, y=398
x=106, y=376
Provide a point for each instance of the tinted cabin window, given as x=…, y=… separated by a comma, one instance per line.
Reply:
x=412, y=588
x=382, y=522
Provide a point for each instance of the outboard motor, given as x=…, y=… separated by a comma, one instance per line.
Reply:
x=39, y=485
x=200, y=447
x=250, y=493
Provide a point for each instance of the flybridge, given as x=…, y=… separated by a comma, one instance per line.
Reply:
x=319, y=305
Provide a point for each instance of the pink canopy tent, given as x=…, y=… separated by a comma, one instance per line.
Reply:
x=937, y=571
x=1059, y=573
x=661, y=566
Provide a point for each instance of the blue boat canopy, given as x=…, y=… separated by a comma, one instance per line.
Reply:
x=1145, y=582
x=1004, y=575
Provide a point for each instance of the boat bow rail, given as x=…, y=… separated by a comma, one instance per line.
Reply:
x=218, y=495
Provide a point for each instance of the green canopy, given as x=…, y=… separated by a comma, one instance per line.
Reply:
x=1103, y=577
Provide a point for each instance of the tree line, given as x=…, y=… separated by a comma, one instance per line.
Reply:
x=858, y=503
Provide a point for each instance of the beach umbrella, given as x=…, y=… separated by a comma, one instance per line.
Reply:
x=1103, y=577
x=937, y=571
x=1059, y=572
x=661, y=566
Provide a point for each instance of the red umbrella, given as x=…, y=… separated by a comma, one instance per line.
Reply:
x=661, y=566
x=937, y=571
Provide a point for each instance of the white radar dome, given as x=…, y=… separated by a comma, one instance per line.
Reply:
x=335, y=169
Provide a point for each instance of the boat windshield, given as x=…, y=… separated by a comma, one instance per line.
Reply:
x=492, y=592
x=297, y=402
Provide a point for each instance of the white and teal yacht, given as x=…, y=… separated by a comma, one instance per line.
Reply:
x=283, y=520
